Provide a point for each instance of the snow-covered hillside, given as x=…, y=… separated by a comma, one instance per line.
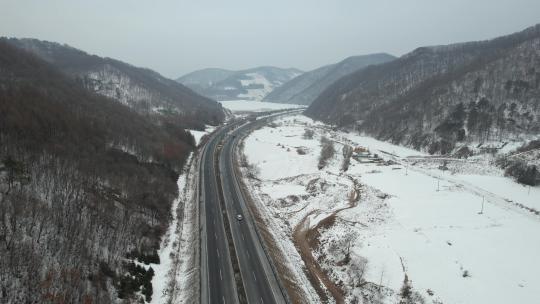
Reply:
x=113, y=83
x=397, y=225
x=257, y=86
x=253, y=84
x=143, y=90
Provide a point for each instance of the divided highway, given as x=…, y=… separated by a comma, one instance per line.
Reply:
x=217, y=275
x=218, y=174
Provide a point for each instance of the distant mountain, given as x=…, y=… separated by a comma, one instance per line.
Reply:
x=141, y=89
x=85, y=182
x=205, y=78
x=308, y=86
x=253, y=84
x=443, y=98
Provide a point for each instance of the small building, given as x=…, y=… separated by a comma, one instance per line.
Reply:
x=360, y=149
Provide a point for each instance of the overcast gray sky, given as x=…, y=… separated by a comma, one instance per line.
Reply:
x=177, y=37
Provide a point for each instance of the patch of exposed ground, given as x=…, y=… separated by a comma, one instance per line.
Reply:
x=303, y=239
x=306, y=240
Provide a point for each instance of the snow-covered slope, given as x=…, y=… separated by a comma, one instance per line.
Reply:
x=253, y=84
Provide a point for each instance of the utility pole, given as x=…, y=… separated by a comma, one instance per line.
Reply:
x=482, y=210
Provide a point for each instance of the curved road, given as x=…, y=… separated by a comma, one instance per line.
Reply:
x=217, y=276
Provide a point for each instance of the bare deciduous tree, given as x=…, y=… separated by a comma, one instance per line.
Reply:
x=327, y=152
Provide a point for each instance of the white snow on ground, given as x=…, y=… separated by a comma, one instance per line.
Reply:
x=199, y=134
x=429, y=227
x=255, y=106
x=439, y=235
x=161, y=271
x=176, y=277
x=529, y=196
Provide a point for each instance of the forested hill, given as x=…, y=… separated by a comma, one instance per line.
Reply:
x=144, y=90
x=84, y=182
x=308, y=86
x=443, y=98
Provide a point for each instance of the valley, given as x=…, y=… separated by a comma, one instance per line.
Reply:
x=348, y=153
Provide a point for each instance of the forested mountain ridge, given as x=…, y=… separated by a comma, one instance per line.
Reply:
x=142, y=89
x=205, y=78
x=308, y=86
x=445, y=97
x=251, y=84
x=85, y=182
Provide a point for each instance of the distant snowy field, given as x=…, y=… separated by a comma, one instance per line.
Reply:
x=255, y=106
x=412, y=218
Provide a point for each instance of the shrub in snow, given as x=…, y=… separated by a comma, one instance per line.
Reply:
x=523, y=173
x=406, y=289
x=347, y=154
x=308, y=134
x=137, y=279
x=408, y=295
x=463, y=152
x=327, y=152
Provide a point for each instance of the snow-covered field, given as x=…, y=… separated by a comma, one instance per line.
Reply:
x=255, y=106
x=199, y=134
x=412, y=222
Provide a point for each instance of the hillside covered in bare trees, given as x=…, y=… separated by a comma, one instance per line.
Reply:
x=85, y=183
x=305, y=88
x=145, y=91
x=443, y=98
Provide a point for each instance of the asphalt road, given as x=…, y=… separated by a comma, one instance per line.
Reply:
x=259, y=281
x=217, y=277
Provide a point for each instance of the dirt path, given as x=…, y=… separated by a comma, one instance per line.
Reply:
x=307, y=239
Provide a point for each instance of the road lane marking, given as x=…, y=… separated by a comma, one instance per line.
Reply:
x=262, y=300
x=243, y=236
x=217, y=252
x=220, y=276
x=248, y=254
x=253, y=273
